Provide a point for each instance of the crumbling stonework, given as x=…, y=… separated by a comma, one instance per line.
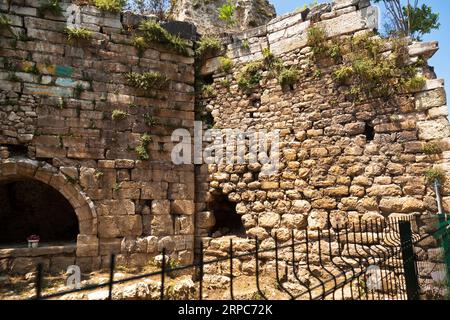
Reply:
x=331, y=168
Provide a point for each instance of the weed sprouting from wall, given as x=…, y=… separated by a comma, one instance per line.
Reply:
x=369, y=68
x=78, y=34
x=431, y=148
x=141, y=149
x=146, y=80
x=118, y=115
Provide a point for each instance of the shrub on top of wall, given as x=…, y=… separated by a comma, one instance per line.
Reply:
x=153, y=32
x=146, y=80
x=109, y=5
x=208, y=46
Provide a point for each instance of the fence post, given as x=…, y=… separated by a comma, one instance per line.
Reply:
x=112, y=265
x=39, y=281
x=409, y=266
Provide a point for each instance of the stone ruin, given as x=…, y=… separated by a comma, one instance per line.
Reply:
x=70, y=171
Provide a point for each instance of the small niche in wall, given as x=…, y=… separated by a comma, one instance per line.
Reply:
x=16, y=150
x=207, y=79
x=369, y=132
x=228, y=222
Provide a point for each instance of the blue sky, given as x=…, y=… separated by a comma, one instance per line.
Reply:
x=440, y=60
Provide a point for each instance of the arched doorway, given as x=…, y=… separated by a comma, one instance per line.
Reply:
x=24, y=174
x=31, y=207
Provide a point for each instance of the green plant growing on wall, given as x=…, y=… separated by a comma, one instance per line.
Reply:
x=208, y=46
x=141, y=149
x=78, y=90
x=413, y=84
x=226, y=64
x=150, y=121
x=140, y=43
x=50, y=6
x=245, y=44
x=227, y=13
x=251, y=75
x=317, y=40
x=208, y=90
x=434, y=174
x=288, y=77
x=431, y=148
x=110, y=5
x=225, y=83
x=153, y=32
x=146, y=80
x=118, y=115
x=367, y=70
x=343, y=74
x=78, y=34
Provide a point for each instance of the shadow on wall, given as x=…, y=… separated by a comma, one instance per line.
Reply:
x=228, y=222
x=30, y=207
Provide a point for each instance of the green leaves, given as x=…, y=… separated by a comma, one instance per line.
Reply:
x=226, y=13
x=77, y=33
x=422, y=20
x=409, y=20
x=146, y=80
x=110, y=5
x=208, y=46
x=154, y=32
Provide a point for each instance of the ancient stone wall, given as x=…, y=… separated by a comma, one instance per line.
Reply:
x=342, y=160
x=57, y=126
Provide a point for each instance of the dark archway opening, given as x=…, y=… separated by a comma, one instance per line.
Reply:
x=29, y=207
x=228, y=222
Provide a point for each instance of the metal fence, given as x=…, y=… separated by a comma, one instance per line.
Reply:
x=370, y=260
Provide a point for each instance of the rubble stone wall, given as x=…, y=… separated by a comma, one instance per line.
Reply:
x=331, y=171
x=56, y=125
x=57, y=98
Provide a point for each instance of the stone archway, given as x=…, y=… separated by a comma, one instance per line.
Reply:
x=24, y=168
